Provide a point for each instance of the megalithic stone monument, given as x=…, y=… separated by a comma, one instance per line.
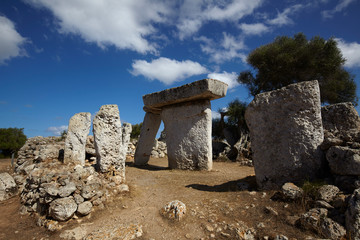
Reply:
x=186, y=113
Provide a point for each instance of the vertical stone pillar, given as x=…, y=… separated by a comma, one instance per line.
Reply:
x=286, y=131
x=188, y=134
x=78, y=130
x=108, y=141
x=148, y=132
x=126, y=131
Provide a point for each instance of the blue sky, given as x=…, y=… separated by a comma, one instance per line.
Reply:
x=61, y=57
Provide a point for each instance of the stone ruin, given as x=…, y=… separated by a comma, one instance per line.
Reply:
x=186, y=113
x=57, y=181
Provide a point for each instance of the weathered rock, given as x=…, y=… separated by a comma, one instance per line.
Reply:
x=331, y=229
x=188, y=135
x=286, y=131
x=84, y=208
x=79, y=127
x=90, y=146
x=126, y=131
x=62, y=209
x=291, y=191
x=353, y=215
x=174, y=210
x=327, y=192
x=148, y=132
x=68, y=189
x=340, y=118
x=203, y=89
x=344, y=160
x=108, y=140
x=8, y=186
x=311, y=219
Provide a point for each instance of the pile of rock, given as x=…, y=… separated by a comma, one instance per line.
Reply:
x=239, y=152
x=58, y=180
x=341, y=144
x=159, y=150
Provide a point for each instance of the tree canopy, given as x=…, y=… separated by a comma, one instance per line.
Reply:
x=11, y=140
x=289, y=60
x=135, y=132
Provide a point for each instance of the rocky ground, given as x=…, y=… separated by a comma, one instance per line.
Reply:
x=217, y=205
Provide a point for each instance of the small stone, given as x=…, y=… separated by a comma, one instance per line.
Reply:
x=272, y=211
x=327, y=192
x=174, y=210
x=62, y=209
x=291, y=191
x=84, y=208
x=209, y=228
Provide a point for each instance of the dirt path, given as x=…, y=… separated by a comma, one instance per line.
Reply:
x=215, y=207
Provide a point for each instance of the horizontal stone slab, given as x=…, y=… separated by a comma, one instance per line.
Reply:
x=203, y=89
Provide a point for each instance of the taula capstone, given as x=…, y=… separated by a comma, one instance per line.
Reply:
x=186, y=113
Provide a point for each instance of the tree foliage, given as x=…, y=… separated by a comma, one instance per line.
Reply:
x=11, y=140
x=232, y=118
x=136, y=130
x=289, y=60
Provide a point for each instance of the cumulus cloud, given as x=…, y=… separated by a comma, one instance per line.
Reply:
x=11, y=42
x=338, y=8
x=350, y=51
x=215, y=114
x=193, y=14
x=283, y=18
x=167, y=70
x=254, y=29
x=226, y=77
x=229, y=48
x=57, y=130
x=124, y=24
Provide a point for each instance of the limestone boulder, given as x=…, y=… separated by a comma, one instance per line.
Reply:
x=291, y=191
x=62, y=209
x=327, y=193
x=339, y=118
x=286, y=131
x=188, y=135
x=108, y=140
x=90, y=146
x=78, y=130
x=84, y=208
x=174, y=210
x=344, y=160
x=8, y=186
x=126, y=131
x=353, y=215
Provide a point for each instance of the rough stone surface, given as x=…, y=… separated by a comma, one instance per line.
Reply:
x=174, y=210
x=188, y=135
x=62, y=209
x=286, y=131
x=126, y=131
x=148, y=132
x=209, y=89
x=340, y=117
x=344, y=160
x=353, y=215
x=291, y=191
x=327, y=193
x=79, y=127
x=84, y=208
x=8, y=186
x=108, y=140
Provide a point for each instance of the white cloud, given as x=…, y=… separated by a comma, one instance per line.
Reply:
x=350, y=51
x=124, y=24
x=338, y=8
x=57, y=130
x=228, y=49
x=229, y=78
x=193, y=14
x=282, y=18
x=167, y=70
x=11, y=42
x=215, y=114
x=254, y=29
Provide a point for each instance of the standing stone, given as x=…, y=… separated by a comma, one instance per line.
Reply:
x=188, y=131
x=79, y=127
x=146, y=142
x=126, y=131
x=286, y=131
x=186, y=113
x=108, y=140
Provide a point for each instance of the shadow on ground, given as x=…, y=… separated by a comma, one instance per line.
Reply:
x=245, y=184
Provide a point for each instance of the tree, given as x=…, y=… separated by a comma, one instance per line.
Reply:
x=11, y=140
x=289, y=60
x=136, y=130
